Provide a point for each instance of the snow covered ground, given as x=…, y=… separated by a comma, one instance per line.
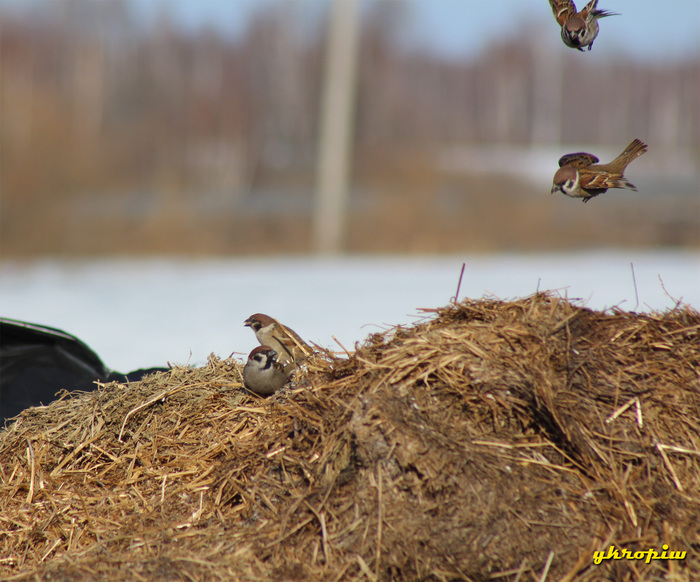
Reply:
x=145, y=312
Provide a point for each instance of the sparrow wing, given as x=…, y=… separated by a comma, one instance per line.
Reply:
x=604, y=180
x=295, y=340
x=588, y=9
x=577, y=160
x=562, y=10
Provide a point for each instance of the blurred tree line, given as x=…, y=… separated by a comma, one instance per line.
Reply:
x=103, y=118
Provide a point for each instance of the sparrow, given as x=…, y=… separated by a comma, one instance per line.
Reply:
x=579, y=176
x=578, y=29
x=263, y=374
x=270, y=332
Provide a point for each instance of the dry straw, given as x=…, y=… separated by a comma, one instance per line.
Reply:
x=494, y=441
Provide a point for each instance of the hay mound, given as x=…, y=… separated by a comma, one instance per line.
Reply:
x=495, y=440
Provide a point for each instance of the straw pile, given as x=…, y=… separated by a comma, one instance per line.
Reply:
x=494, y=440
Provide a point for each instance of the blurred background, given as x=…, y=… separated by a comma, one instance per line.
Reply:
x=194, y=130
x=192, y=126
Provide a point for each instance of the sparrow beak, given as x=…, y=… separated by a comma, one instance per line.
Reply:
x=246, y=323
x=555, y=188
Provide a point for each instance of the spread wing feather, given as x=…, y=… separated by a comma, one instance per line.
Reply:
x=578, y=160
x=562, y=10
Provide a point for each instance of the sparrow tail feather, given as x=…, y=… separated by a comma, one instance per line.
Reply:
x=625, y=183
x=632, y=152
x=603, y=13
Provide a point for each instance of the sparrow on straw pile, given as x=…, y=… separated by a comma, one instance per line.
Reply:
x=285, y=341
x=578, y=29
x=263, y=374
x=579, y=176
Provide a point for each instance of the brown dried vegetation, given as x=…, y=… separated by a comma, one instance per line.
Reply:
x=495, y=440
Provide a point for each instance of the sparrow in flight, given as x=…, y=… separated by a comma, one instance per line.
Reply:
x=263, y=374
x=285, y=341
x=580, y=176
x=578, y=29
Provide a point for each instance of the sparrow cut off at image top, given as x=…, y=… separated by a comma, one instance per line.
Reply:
x=578, y=29
x=579, y=175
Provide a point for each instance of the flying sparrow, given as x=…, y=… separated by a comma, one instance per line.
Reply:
x=287, y=343
x=263, y=374
x=579, y=176
x=578, y=29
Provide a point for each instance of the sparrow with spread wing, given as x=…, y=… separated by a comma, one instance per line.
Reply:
x=284, y=340
x=578, y=29
x=580, y=176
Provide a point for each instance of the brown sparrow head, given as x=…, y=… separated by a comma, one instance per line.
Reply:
x=263, y=374
x=579, y=176
x=578, y=29
x=285, y=341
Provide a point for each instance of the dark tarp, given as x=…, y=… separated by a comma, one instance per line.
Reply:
x=37, y=361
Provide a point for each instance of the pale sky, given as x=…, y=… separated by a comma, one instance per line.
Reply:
x=645, y=29
x=650, y=30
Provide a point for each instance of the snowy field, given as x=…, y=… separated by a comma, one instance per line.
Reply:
x=143, y=313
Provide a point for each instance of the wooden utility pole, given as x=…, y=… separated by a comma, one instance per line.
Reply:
x=336, y=127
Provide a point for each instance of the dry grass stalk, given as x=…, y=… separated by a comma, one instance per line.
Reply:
x=496, y=440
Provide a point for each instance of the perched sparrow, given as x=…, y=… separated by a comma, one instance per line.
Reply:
x=270, y=332
x=579, y=176
x=263, y=374
x=578, y=29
